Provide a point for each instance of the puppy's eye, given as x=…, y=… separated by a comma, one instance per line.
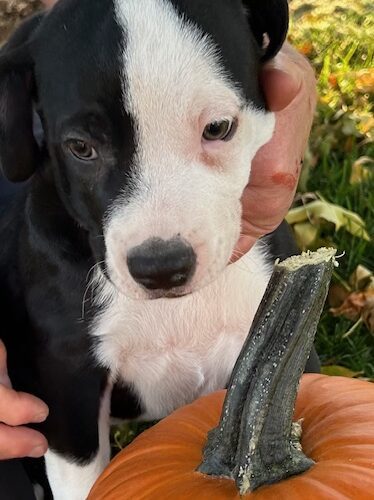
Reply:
x=82, y=150
x=219, y=130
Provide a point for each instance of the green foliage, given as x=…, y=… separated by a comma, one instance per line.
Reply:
x=338, y=38
x=122, y=435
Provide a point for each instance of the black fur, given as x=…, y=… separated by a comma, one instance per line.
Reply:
x=52, y=231
x=238, y=38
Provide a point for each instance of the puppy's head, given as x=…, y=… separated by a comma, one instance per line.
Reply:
x=152, y=115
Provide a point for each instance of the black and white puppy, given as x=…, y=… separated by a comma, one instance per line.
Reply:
x=116, y=297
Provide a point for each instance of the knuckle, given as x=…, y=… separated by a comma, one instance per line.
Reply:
x=13, y=410
x=15, y=420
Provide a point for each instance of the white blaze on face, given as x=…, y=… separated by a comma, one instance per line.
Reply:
x=173, y=86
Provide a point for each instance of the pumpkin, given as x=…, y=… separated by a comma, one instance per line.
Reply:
x=338, y=434
x=247, y=433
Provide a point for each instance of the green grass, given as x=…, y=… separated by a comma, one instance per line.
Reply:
x=338, y=38
x=331, y=178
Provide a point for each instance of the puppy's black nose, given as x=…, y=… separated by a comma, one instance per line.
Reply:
x=161, y=265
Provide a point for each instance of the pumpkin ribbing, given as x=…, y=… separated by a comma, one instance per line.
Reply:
x=162, y=462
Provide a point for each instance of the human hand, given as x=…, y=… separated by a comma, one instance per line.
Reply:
x=17, y=409
x=289, y=85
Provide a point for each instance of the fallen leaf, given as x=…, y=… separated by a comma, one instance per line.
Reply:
x=306, y=48
x=365, y=80
x=319, y=210
x=361, y=170
x=356, y=305
x=337, y=295
x=333, y=80
x=339, y=371
x=305, y=234
x=361, y=278
x=368, y=315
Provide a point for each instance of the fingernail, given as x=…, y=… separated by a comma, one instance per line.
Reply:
x=40, y=417
x=289, y=71
x=37, y=452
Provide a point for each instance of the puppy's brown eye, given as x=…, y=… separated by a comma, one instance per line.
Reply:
x=82, y=150
x=219, y=130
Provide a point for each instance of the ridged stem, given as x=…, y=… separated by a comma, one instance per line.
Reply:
x=256, y=442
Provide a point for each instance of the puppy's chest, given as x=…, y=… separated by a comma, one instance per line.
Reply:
x=172, y=351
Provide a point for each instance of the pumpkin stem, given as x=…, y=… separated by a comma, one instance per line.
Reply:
x=256, y=442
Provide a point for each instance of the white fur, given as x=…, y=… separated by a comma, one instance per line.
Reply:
x=72, y=481
x=170, y=351
x=174, y=85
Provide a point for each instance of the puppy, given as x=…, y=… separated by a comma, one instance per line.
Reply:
x=116, y=297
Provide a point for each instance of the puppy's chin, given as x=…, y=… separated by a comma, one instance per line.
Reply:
x=168, y=294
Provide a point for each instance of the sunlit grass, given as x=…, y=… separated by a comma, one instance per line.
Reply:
x=338, y=38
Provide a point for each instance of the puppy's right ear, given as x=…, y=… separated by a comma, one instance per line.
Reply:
x=19, y=152
x=268, y=17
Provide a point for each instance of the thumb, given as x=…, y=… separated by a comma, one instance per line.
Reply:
x=282, y=78
x=4, y=379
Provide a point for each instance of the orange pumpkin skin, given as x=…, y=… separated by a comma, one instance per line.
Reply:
x=338, y=433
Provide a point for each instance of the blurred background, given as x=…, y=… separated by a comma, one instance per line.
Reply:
x=335, y=202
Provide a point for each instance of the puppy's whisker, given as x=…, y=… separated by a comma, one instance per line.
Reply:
x=245, y=265
x=90, y=283
x=93, y=268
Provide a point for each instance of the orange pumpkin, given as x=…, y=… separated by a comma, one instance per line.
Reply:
x=255, y=442
x=338, y=433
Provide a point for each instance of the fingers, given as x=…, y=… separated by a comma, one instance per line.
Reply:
x=290, y=89
x=18, y=442
x=283, y=78
x=18, y=408
x=280, y=88
x=4, y=379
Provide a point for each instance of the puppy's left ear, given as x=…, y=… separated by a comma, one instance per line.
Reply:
x=269, y=20
x=19, y=152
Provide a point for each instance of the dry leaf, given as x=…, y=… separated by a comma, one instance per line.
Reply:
x=305, y=234
x=319, y=210
x=361, y=170
x=333, y=80
x=360, y=278
x=339, y=371
x=368, y=315
x=358, y=304
x=306, y=48
x=365, y=80
x=337, y=295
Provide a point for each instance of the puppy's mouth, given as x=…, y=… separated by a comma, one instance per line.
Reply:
x=167, y=294
x=144, y=294
x=138, y=292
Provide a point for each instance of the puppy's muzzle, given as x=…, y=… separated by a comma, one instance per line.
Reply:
x=162, y=265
